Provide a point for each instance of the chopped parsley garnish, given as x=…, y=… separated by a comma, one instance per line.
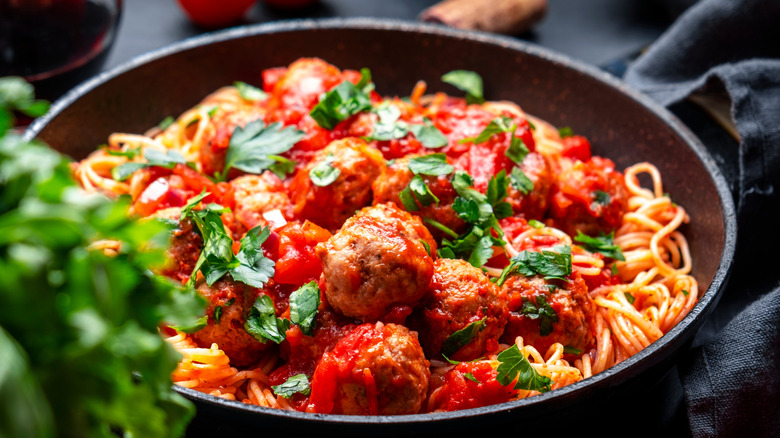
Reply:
x=514, y=365
x=194, y=327
x=216, y=259
x=517, y=150
x=389, y=127
x=303, y=307
x=471, y=377
x=257, y=147
x=555, y=264
x=600, y=198
x=462, y=337
x=467, y=81
x=217, y=315
x=154, y=157
x=441, y=227
x=298, y=383
x=614, y=269
x=541, y=310
x=533, y=223
x=249, y=93
x=417, y=189
x=603, y=244
x=520, y=181
x=344, y=101
x=429, y=135
x=432, y=164
x=130, y=153
x=565, y=131
x=324, y=174
x=630, y=298
x=572, y=350
x=685, y=292
x=166, y=123
x=426, y=245
x=262, y=322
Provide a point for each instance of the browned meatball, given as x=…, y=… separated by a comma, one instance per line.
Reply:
x=235, y=300
x=376, y=369
x=329, y=206
x=258, y=194
x=376, y=261
x=396, y=177
x=534, y=204
x=461, y=294
x=184, y=251
x=572, y=306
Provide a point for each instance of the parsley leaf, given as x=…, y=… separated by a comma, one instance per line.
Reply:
x=217, y=314
x=542, y=311
x=303, y=307
x=298, y=383
x=432, y=164
x=462, y=337
x=343, y=101
x=517, y=150
x=467, y=81
x=533, y=223
x=514, y=365
x=520, y=181
x=154, y=157
x=568, y=349
x=193, y=327
x=262, y=323
x=253, y=267
x=471, y=377
x=17, y=94
x=565, y=131
x=429, y=135
x=166, y=123
x=256, y=147
x=603, y=244
x=630, y=298
x=389, y=127
x=324, y=174
x=685, y=292
x=249, y=93
x=417, y=189
x=555, y=264
x=600, y=198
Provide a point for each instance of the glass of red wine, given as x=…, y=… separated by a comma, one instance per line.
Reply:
x=55, y=44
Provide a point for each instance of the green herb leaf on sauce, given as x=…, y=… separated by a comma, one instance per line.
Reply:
x=533, y=223
x=249, y=92
x=166, y=123
x=630, y=298
x=462, y=337
x=432, y=164
x=195, y=327
x=303, y=307
x=256, y=147
x=603, y=244
x=297, y=384
x=520, y=181
x=514, y=365
x=262, y=323
x=389, y=127
x=555, y=264
x=471, y=377
x=154, y=157
x=429, y=135
x=565, y=131
x=600, y=198
x=343, y=101
x=417, y=189
x=324, y=173
x=542, y=311
x=467, y=81
x=568, y=349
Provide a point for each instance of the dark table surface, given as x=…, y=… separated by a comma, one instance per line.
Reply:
x=600, y=32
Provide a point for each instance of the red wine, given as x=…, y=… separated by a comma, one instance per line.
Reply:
x=55, y=44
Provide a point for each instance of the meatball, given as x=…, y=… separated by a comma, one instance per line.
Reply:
x=534, y=204
x=184, y=251
x=460, y=294
x=374, y=370
x=329, y=206
x=396, y=177
x=377, y=260
x=303, y=83
x=226, y=326
x=459, y=390
x=588, y=196
x=258, y=194
x=531, y=296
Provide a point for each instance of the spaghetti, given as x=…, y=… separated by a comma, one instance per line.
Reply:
x=627, y=281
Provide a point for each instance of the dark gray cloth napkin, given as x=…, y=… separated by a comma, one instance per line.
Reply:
x=731, y=381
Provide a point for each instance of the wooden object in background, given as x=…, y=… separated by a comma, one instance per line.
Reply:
x=509, y=17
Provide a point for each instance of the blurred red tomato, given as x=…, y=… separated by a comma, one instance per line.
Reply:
x=215, y=13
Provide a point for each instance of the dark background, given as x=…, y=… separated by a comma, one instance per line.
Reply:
x=606, y=33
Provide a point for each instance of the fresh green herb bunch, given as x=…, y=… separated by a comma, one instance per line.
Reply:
x=80, y=352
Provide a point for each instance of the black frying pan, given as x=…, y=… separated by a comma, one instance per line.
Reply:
x=621, y=124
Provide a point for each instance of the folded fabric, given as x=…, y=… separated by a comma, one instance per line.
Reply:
x=732, y=382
